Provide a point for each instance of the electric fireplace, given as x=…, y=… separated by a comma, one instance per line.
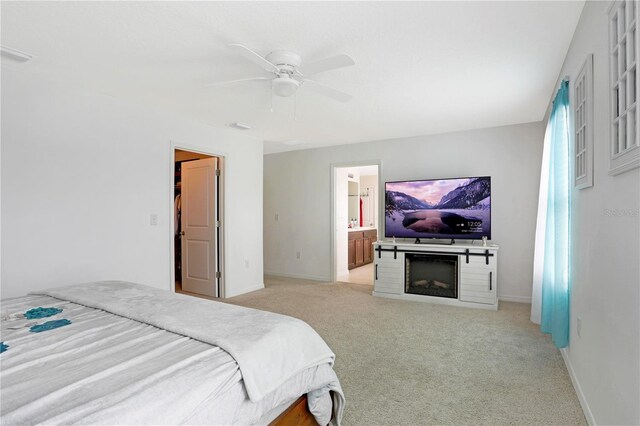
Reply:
x=431, y=275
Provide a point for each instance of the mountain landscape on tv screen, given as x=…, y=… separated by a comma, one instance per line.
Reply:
x=457, y=208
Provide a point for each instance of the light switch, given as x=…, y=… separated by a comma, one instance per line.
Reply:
x=153, y=219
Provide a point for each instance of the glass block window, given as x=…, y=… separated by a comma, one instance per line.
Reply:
x=583, y=125
x=623, y=53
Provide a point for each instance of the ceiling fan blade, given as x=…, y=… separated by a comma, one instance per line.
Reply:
x=253, y=57
x=232, y=82
x=338, y=61
x=327, y=91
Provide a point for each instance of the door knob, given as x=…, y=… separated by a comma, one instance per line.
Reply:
x=181, y=232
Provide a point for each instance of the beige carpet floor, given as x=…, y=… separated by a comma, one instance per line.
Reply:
x=360, y=275
x=412, y=363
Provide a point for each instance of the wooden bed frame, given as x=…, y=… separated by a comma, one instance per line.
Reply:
x=297, y=414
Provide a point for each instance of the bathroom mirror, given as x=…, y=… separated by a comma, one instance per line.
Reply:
x=354, y=199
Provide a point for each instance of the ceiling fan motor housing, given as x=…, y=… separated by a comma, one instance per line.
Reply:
x=285, y=60
x=284, y=84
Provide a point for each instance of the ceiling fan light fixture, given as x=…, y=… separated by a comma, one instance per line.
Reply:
x=287, y=75
x=284, y=86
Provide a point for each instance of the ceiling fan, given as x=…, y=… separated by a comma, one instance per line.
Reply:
x=288, y=73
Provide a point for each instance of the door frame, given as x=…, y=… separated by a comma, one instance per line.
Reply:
x=334, y=167
x=222, y=206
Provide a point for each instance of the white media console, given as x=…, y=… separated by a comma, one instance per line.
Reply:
x=458, y=274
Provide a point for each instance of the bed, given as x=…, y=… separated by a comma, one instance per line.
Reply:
x=114, y=352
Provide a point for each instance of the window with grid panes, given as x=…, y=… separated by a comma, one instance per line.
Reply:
x=623, y=45
x=583, y=125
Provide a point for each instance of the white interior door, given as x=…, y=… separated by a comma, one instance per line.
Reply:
x=198, y=224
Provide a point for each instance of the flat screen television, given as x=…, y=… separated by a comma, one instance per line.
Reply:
x=457, y=208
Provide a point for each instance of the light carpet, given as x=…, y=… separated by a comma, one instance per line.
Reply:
x=412, y=363
x=360, y=275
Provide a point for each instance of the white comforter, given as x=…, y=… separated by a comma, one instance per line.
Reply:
x=268, y=347
x=107, y=369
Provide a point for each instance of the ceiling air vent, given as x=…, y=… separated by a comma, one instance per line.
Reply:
x=241, y=126
x=15, y=55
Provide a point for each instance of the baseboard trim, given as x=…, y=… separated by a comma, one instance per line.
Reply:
x=576, y=385
x=518, y=299
x=301, y=276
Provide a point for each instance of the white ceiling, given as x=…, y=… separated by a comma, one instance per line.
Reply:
x=421, y=67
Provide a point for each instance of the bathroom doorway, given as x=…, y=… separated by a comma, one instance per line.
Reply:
x=356, y=217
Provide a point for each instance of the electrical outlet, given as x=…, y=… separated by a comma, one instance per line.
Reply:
x=153, y=219
x=246, y=264
x=276, y=217
x=297, y=255
x=579, y=326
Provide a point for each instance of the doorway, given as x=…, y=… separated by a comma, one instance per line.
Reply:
x=356, y=218
x=197, y=223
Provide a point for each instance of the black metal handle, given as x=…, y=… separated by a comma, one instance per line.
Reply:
x=376, y=272
x=397, y=250
x=490, y=280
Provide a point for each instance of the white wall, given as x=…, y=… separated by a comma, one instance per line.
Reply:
x=605, y=293
x=82, y=172
x=297, y=188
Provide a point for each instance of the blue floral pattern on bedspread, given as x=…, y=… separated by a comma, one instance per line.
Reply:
x=3, y=347
x=49, y=325
x=36, y=313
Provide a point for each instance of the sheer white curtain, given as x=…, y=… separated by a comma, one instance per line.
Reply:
x=538, y=256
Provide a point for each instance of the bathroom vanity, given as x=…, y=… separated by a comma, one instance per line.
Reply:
x=360, y=246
